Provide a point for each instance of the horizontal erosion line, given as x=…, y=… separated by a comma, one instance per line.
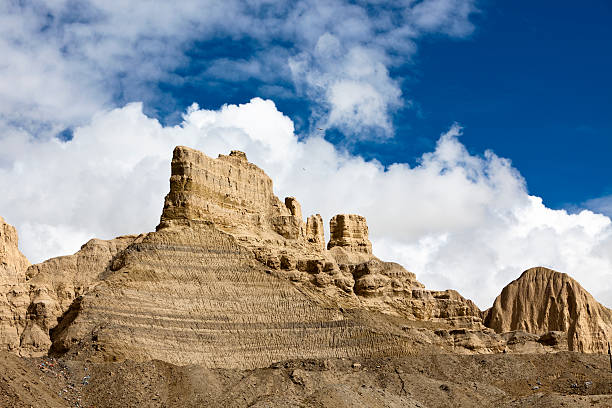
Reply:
x=142, y=247
x=130, y=320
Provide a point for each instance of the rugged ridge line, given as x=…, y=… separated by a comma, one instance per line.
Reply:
x=233, y=277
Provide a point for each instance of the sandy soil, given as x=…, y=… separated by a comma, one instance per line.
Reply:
x=500, y=380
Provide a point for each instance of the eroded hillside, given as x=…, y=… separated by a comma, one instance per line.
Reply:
x=235, y=278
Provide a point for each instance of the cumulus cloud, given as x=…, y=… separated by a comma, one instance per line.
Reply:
x=457, y=220
x=65, y=60
x=600, y=204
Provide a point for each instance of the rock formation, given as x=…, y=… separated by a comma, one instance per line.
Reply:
x=349, y=231
x=57, y=283
x=230, y=192
x=315, y=232
x=541, y=301
x=12, y=262
x=14, y=297
x=233, y=277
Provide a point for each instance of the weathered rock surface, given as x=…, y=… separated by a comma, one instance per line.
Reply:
x=57, y=283
x=234, y=277
x=349, y=231
x=542, y=300
x=230, y=192
x=14, y=298
x=12, y=262
x=315, y=232
x=194, y=295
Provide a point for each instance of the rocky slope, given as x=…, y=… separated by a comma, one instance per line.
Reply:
x=449, y=380
x=542, y=300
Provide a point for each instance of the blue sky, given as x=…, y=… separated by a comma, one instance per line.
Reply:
x=532, y=82
x=455, y=126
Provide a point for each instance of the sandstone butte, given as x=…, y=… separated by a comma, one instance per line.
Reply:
x=233, y=277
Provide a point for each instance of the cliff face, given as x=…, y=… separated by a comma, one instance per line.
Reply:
x=349, y=231
x=13, y=291
x=234, y=277
x=54, y=285
x=542, y=300
x=230, y=192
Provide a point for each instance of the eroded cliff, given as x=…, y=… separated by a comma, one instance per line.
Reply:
x=14, y=297
x=234, y=277
x=542, y=300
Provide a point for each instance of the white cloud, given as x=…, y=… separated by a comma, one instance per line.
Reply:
x=64, y=60
x=600, y=204
x=347, y=72
x=447, y=16
x=457, y=220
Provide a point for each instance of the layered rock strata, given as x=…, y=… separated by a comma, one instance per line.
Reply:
x=195, y=295
x=315, y=232
x=234, y=277
x=349, y=231
x=543, y=301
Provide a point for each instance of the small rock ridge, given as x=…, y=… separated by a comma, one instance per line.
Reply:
x=542, y=300
x=238, y=154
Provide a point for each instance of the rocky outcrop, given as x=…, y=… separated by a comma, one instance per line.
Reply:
x=350, y=232
x=230, y=192
x=14, y=298
x=57, y=283
x=195, y=295
x=12, y=262
x=233, y=277
x=542, y=300
x=315, y=231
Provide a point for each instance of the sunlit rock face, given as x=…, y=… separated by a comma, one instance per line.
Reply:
x=542, y=300
x=233, y=277
x=14, y=297
x=349, y=231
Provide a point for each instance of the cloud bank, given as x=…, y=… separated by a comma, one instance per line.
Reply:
x=456, y=219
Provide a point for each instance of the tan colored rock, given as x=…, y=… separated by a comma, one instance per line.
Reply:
x=58, y=282
x=194, y=295
x=224, y=282
x=13, y=291
x=315, y=232
x=12, y=262
x=233, y=277
x=294, y=207
x=542, y=300
x=228, y=191
x=349, y=231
